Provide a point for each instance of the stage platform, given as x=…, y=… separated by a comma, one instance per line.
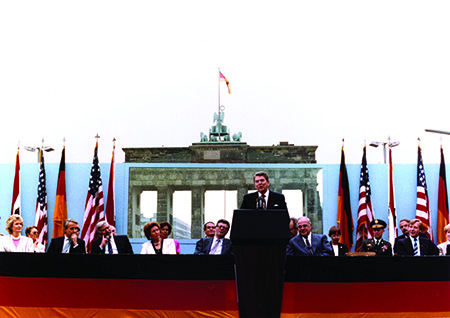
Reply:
x=63, y=285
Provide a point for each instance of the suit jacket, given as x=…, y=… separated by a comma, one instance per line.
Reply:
x=203, y=246
x=426, y=246
x=342, y=249
x=276, y=201
x=56, y=246
x=319, y=245
x=422, y=234
x=122, y=242
x=384, y=248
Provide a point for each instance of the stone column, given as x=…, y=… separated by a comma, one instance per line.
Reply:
x=134, y=220
x=241, y=191
x=312, y=203
x=164, y=204
x=198, y=212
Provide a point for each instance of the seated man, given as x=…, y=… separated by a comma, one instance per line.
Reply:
x=377, y=244
x=307, y=243
x=69, y=243
x=209, y=229
x=293, y=227
x=416, y=245
x=218, y=244
x=108, y=243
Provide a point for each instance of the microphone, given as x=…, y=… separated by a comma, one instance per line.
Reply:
x=260, y=202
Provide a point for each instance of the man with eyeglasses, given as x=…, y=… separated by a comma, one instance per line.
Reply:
x=377, y=244
x=69, y=243
x=109, y=243
x=218, y=245
x=209, y=229
x=307, y=243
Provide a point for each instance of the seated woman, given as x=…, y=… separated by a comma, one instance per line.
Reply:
x=443, y=246
x=14, y=242
x=339, y=249
x=156, y=245
x=33, y=233
x=166, y=229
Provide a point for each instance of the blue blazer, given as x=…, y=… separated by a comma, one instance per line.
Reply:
x=319, y=244
x=203, y=246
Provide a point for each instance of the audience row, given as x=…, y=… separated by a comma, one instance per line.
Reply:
x=303, y=242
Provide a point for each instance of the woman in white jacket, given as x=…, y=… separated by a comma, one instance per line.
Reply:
x=156, y=245
x=14, y=242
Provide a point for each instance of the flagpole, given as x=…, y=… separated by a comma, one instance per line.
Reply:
x=218, y=121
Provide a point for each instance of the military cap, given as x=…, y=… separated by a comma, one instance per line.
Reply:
x=377, y=223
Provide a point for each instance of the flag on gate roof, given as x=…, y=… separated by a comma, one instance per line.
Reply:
x=15, y=205
x=60, y=212
x=442, y=214
x=392, y=212
x=344, y=212
x=94, y=208
x=41, y=203
x=423, y=204
x=365, y=210
x=110, y=211
x=224, y=79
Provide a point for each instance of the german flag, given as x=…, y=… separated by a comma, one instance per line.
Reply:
x=60, y=213
x=344, y=212
x=442, y=214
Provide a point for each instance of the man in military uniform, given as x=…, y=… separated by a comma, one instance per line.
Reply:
x=377, y=244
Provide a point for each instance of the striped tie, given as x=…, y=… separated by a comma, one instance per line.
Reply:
x=416, y=248
x=215, y=246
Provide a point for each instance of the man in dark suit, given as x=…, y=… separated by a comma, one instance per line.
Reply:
x=218, y=245
x=268, y=199
x=338, y=249
x=404, y=227
x=307, y=243
x=69, y=243
x=416, y=245
x=377, y=244
x=108, y=243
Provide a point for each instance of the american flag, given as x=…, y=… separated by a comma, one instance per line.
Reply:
x=365, y=211
x=41, y=203
x=423, y=204
x=94, y=209
x=15, y=205
x=392, y=217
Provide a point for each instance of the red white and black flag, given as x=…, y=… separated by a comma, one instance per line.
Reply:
x=344, y=212
x=110, y=210
x=442, y=214
x=94, y=208
x=423, y=204
x=41, y=203
x=392, y=212
x=365, y=211
x=15, y=205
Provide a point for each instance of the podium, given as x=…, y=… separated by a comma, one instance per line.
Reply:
x=259, y=238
